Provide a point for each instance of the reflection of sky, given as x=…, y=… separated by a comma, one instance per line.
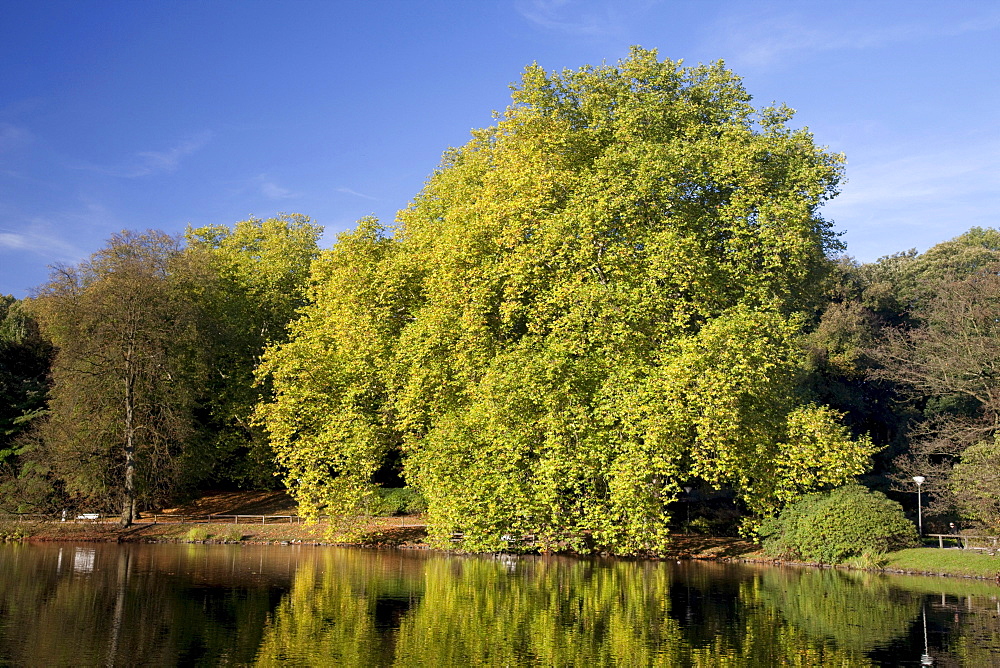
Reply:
x=152, y=115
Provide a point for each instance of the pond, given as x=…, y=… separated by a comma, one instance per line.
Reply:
x=166, y=605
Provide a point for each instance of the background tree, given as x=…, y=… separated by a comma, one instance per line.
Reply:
x=24, y=367
x=128, y=360
x=257, y=276
x=946, y=357
x=597, y=300
x=974, y=484
x=863, y=301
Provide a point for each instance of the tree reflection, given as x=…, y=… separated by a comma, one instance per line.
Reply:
x=212, y=605
x=552, y=612
x=344, y=609
x=858, y=611
x=129, y=605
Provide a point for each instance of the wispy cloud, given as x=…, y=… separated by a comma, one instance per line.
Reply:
x=168, y=160
x=268, y=188
x=146, y=163
x=39, y=239
x=583, y=18
x=12, y=136
x=558, y=15
x=760, y=41
x=963, y=171
x=355, y=193
x=54, y=235
x=919, y=199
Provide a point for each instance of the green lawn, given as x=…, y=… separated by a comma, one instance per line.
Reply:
x=946, y=561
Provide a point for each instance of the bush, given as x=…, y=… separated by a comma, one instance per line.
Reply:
x=196, y=535
x=12, y=533
x=398, y=501
x=830, y=527
x=231, y=535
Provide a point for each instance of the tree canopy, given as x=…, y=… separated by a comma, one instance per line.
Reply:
x=126, y=370
x=593, y=302
x=256, y=277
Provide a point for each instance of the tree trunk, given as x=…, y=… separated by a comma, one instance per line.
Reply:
x=128, y=505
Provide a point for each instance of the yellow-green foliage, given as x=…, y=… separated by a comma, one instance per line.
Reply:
x=195, y=535
x=589, y=304
x=554, y=612
x=12, y=532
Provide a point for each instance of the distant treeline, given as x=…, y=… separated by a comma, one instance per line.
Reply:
x=621, y=295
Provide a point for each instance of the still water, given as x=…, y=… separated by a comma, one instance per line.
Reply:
x=166, y=605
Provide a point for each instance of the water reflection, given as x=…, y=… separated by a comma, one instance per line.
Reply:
x=244, y=605
x=83, y=559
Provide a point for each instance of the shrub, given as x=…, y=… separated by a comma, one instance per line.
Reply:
x=12, y=533
x=196, y=534
x=231, y=535
x=831, y=527
x=398, y=501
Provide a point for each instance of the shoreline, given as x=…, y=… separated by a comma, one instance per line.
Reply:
x=389, y=533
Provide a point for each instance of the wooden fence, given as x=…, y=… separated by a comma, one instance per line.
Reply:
x=989, y=544
x=172, y=518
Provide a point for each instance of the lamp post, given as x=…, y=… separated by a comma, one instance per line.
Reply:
x=925, y=659
x=919, y=479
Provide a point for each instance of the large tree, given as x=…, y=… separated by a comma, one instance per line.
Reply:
x=127, y=364
x=590, y=304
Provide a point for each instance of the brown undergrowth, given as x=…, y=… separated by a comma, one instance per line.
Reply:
x=368, y=532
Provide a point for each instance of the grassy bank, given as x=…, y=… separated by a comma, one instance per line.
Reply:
x=914, y=561
x=388, y=532
x=935, y=561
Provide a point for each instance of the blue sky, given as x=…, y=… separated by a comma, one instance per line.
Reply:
x=155, y=114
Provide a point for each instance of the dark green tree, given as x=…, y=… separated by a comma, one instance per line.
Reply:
x=256, y=275
x=24, y=367
x=127, y=367
x=942, y=355
x=24, y=371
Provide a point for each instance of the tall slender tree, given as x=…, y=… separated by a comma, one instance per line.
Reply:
x=127, y=361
